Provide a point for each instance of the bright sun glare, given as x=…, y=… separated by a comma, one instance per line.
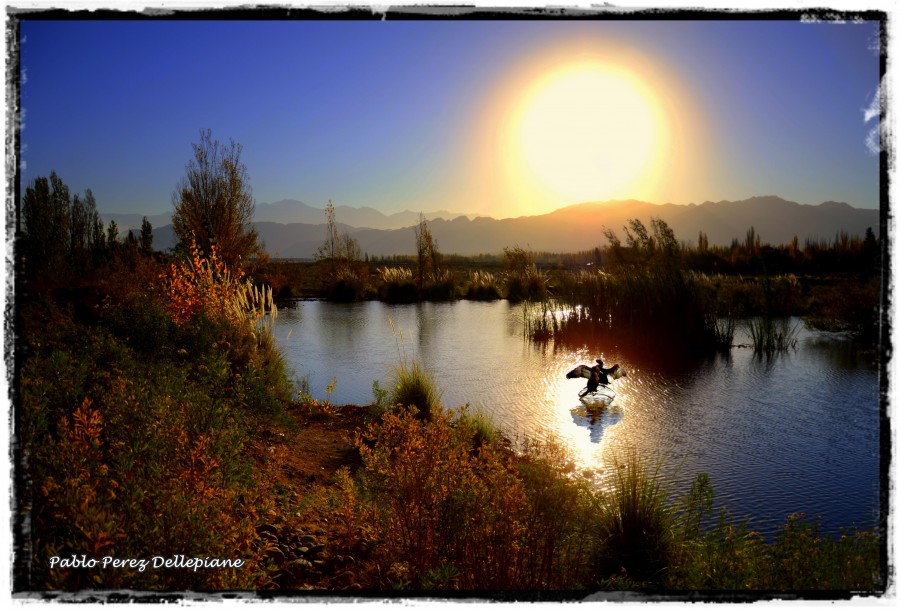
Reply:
x=584, y=132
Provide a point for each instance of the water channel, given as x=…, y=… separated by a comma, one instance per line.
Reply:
x=797, y=432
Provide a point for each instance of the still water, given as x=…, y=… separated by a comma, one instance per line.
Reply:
x=798, y=432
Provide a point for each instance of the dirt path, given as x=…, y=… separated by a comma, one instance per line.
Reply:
x=311, y=548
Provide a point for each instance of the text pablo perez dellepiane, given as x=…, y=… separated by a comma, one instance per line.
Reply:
x=157, y=562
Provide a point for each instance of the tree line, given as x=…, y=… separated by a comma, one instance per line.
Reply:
x=61, y=233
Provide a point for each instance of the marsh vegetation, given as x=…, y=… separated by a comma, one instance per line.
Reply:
x=148, y=385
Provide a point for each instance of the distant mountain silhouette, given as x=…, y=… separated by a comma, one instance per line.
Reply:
x=288, y=211
x=133, y=221
x=576, y=227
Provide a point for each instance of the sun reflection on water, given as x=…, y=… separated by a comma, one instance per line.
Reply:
x=589, y=431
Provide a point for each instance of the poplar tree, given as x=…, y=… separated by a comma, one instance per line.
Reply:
x=146, y=236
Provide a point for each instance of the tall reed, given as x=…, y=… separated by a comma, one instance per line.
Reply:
x=635, y=526
x=526, y=284
x=672, y=307
x=257, y=305
x=397, y=285
x=482, y=286
x=769, y=335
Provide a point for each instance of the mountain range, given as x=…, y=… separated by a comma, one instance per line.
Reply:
x=292, y=229
x=289, y=211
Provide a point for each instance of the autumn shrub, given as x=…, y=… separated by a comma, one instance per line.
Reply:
x=199, y=284
x=134, y=458
x=454, y=507
x=560, y=533
x=226, y=323
x=436, y=505
x=134, y=425
x=449, y=509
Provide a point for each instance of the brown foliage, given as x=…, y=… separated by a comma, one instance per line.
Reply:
x=213, y=202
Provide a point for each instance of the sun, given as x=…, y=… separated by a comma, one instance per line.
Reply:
x=586, y=131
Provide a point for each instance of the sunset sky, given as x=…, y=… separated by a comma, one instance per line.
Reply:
x=503, y=118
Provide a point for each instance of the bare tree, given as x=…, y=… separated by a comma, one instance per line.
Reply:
x=330, y=250
x=214, y=204
x=427, y=255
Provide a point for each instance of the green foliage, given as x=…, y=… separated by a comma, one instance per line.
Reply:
x=694, y=508
x=648, y=544
x=61, y=233
x=483, y=428
x=732, y=557
x=381, y=402
x=415, y=387
x=636, y=529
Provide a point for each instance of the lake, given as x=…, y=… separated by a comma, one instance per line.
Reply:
x=797, y=432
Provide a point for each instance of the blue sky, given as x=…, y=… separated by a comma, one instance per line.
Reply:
x=417, y=115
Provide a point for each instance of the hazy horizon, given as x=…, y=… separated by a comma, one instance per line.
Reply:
x=473, y=213
x=498, y=118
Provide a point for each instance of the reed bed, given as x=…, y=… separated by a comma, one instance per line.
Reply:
x=769, y=335
x=527, y=283
x=673, y=308
x=482, y=286
x=397, y=285
x=441, y=285
x=349, y=283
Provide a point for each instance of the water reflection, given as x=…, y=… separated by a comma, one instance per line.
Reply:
x=597, y=419
x=794, y=432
